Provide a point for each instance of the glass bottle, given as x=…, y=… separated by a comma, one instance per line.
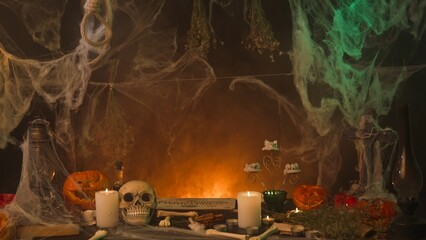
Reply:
x=42, y=177
x=407, y=179
x=119, y=170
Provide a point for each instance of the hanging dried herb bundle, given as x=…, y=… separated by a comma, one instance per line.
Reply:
x=261, y=38
x=200, y=37
x=113, y=133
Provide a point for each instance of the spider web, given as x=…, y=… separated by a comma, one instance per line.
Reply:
x=151, y=106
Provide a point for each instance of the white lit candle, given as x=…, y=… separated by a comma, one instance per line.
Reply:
x=249, y=209
x=268, y=220
x=107, y=211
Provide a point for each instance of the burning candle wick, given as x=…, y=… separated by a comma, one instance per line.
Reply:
x=268, y=220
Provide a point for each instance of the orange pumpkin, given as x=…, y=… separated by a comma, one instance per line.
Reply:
x=306, y=197
x=378, y=208
x=80, y=188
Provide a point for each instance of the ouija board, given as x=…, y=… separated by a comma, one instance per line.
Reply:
x=196, y=203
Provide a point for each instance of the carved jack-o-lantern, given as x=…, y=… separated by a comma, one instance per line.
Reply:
x=307, y=197
x=80, y=188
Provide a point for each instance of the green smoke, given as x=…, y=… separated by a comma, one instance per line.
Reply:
x=338, y=55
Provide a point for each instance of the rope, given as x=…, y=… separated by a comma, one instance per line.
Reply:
x=93, y=8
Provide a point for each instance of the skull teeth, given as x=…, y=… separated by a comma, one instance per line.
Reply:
x=136, y=212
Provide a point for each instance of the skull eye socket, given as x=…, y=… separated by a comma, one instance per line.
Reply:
x=146, y=197
x=128, y=197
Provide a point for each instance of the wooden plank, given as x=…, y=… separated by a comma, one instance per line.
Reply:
x=196, y=203
x=32, y=231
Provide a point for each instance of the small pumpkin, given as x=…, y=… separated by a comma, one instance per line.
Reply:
x=306, y=197
x=80, y=188
x=378, y=208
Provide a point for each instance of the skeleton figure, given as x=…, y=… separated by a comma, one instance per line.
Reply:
x=138, y=202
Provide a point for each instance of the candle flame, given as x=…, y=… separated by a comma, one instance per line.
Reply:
x=297, y=210
x=106, y=190
x=248, y=193
x=267, y=217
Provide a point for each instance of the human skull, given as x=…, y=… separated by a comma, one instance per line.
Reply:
x=137, y=202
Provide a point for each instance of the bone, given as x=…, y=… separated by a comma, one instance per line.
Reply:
x=284, y=227
x=225, y=234
x=162, y=213
x=98, y=235
x=272, y=230
x=290, y=229
x=165, y=222
x=196, y=226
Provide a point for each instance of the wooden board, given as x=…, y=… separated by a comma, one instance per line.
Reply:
x=196, y=203
x=32, y=231
x=8, y=233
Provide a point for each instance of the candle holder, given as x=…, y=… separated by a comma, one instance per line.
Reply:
x=268, y=221
x=274, y=200
x=252, y=230
x=220, y=227
x=232, y=223
x=88, y=217
x=273, y=196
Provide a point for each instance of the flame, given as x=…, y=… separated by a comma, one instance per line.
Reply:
x=188, y=177
x=192, y=170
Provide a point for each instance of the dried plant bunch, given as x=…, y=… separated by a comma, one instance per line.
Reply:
x=115, y=133
x=260, y=38
x=200, y=36
x=332, y=222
